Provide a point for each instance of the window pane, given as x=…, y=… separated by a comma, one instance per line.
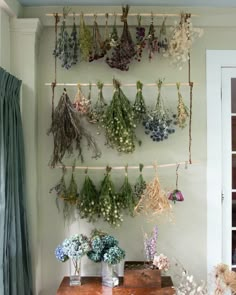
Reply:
x=233, y=133
x=233, y=95
x=234, y=247
x=233, y=171
x=234, y=209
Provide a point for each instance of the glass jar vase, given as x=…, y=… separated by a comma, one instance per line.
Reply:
x=75, y=271
x=109, y=275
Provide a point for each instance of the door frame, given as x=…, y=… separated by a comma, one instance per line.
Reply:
x=215, y=61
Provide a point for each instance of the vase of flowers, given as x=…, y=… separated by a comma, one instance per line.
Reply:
x=105, y=249
x=73, y=248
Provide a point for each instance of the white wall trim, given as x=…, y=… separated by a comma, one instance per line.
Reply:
x=26, y=25
x=216, y=60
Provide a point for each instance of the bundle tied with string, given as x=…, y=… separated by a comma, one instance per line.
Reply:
x=140, y=184
x=86, y=40
x=182, y=110
x=176, y=194
x=154, y=200
x=68, y=132
x=81, y=102
x=139, y=107
x=152, y=40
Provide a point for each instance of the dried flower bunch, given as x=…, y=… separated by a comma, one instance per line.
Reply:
x=86, y=40
x=118, y=122
x=88, y=204
x=98, y=50
x=68, y=132
x=124, y=51
x=182, y=110
x=81, y=102
x=154, y=200
x=140, y=40
x=158, y=122
x=188, y=285
x=140, y=184
x=161, y=262
x=105, y=247
x=150, y=244
x=110, y=208
x=152, y=41
x=163, y=39
x=126, y=196
x=225, y=280
x=74, y=44
x=139, y=107
x=180, y=43
x=65, y=48
x=176, y=194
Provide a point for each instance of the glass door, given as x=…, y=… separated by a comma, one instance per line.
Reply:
x=229, y=166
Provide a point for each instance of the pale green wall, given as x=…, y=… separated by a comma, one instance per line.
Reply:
x=4, y=40
x=185, y=237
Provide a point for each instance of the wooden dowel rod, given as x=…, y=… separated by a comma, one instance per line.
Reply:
x=120, y=14
x=125, y=84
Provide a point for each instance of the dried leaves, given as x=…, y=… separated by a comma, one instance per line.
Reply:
x=182, y=110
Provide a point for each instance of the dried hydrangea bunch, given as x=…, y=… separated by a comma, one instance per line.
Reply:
x=158, y=122
x=161, y=262
x=182, y=110
x=86, y=40
x=81, y=103
x=123, y=53
x=180, y=43
x=68, y=132
x=118, y=122
x=76, y=246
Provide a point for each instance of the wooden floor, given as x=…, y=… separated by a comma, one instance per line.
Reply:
x=93, y=286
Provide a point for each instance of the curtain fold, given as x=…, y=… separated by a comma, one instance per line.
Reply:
x=15, y=264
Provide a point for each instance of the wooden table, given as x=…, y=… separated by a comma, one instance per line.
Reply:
x=93, y=286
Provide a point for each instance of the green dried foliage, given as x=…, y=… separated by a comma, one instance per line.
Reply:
x=139, y=106
x=118, y=122
x=126, y=196
x=98, y=50
x=60, y=190
x=140, y=185
x=68, y=132
x=182, y=110
x=86, y=40
x=89, y=200
x=110, y=208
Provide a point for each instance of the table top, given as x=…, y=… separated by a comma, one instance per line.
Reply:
x=93, y=286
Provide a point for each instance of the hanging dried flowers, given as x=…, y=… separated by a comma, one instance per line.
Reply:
x=140, y=184
x=86, y=39
x=110, y=208
x=154, y=200
x=126, y=195
x=74, y=44
x=140, y=39
x=125, y=50
x=176, y=195
x=152, y=40
x=139, y=106
x=63, y=45
x=68, y=132
x=60, y=188
x=98, y=45
x=118, y=122
x=106, y=46
x=182, y=110
x=81, y=102
x=158, y=122
x=163, y=41
x=180, y=44
x=114, y=38
x=89, y=200
x=97, y=111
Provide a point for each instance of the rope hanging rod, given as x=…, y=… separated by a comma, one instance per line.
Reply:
x=119, y=14
x=126, y=167
x=111, y=85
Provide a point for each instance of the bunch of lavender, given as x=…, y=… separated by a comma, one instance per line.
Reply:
x=150, y=244
x=125, y=50
x=181, y=41
x=152, y=41
x=140, y=39
x=158, y=122
x=105, y=248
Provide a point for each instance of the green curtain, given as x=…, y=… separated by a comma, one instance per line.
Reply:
x=15, y=264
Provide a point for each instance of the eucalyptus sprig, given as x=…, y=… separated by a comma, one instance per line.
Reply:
x=89, y=200
x=126, y=196
x=139, y=106
x=140, y=184
x=86, y=39
x=68, y=132
x=118, y=122
x=182, y=110
x=110, y=208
